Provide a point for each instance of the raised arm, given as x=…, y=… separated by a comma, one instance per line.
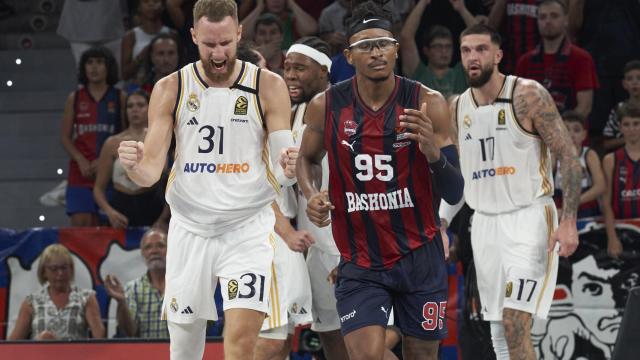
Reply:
x=126, y=322
x=497, y=13
x=175, y=12
x=461, y=8
x=305, y=23
x=536, y=110
x=430, y=127
x=408, y=48
x=576, y=16
x=130, y=64
x=144, y=162
x=249, y=22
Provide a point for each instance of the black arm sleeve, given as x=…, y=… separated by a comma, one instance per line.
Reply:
x=446, y=171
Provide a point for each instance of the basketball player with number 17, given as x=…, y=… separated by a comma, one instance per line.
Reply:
x=507, y=128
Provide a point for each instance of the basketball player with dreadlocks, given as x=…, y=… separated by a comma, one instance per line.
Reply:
x=390, y=161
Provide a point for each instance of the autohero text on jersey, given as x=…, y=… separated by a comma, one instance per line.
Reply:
x=211, y=168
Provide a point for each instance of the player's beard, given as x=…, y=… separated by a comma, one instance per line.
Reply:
x=219, y=77
x=480, y=80
x=304, y=98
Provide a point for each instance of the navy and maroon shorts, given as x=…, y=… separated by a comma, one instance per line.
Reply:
x=416, y=288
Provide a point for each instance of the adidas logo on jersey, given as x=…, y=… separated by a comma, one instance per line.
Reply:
x=468, y=137
x=193, y=121
x=187, y=311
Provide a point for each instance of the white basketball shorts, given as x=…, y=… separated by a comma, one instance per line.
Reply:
x=325, y=314
x=514, y=268
x=241, y=259
x=290, y=291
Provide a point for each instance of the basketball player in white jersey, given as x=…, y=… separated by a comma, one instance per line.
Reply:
x=231, y=121
x=507, y=127
x=306, y=72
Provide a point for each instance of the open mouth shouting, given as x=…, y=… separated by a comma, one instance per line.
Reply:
x=218, y=66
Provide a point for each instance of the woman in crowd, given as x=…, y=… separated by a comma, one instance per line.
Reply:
x=131, y=205
x=59, y=310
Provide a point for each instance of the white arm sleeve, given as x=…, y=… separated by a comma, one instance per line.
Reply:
x=448, y=212
x=278, y=140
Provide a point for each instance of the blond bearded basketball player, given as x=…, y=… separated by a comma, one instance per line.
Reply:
x=231, y=121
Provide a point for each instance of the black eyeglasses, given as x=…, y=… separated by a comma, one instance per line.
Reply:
x=383, y=44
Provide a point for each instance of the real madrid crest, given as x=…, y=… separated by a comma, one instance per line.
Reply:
x=193, y=104
x=466, y=122
x=173, y=305
x=509, y=289
x=232, y=288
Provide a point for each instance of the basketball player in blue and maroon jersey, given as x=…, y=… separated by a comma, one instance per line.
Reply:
x=383, y=135
x=622, y=171
x=91, y=114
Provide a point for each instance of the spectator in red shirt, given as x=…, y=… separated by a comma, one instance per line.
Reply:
x=566, y=70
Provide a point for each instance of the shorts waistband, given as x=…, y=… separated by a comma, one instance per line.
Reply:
x=547, y=200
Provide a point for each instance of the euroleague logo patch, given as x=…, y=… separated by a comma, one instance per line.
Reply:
x=241, y=106
x=232, y=288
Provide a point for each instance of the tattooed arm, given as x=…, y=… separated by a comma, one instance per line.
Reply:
x=537, y=111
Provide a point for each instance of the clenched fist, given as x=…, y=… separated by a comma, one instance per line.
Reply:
x=130, y=154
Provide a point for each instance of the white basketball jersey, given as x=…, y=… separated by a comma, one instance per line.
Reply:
x=323, y=236
x=505, y=167
x=222, y=174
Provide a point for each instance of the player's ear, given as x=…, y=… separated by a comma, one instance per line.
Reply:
x=498, y=57
x=193, y=35
x=239, y=32
x=347, y=55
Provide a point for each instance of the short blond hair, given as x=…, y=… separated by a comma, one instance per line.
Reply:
x=215, y=10
x=50, y=252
